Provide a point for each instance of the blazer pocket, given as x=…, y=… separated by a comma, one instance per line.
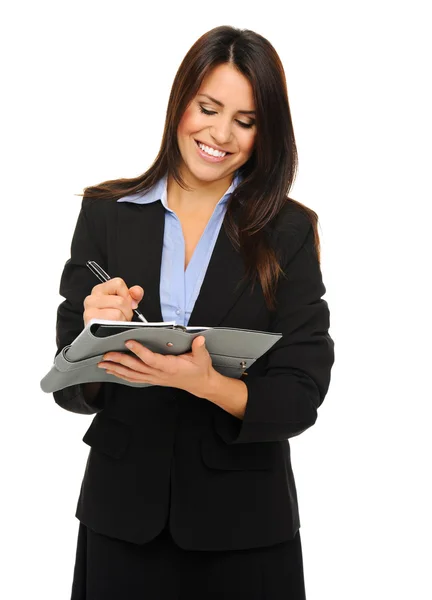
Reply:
x=239, y=457
x=108, y=436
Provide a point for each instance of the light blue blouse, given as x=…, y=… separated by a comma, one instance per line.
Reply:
x=179, y=288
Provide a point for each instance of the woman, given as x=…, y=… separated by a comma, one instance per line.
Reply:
x=188, y=490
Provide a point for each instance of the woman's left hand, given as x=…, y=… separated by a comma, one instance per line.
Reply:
x=190, y=372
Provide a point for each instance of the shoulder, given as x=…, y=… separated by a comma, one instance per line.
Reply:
x=292, y=227
x=98, y=206
x=99, y=212
x=294, y=217
x=97, y=217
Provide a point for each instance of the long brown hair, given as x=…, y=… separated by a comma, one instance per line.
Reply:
x=269, y=173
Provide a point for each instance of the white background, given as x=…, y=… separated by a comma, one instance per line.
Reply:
x=85, y=88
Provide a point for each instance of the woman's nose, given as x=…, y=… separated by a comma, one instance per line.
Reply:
x=221, y=133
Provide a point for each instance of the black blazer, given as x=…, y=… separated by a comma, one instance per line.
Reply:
x=159, y=452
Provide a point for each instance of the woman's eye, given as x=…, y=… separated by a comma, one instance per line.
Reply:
x=241, y=123
x=206, y=112
x=246, y=125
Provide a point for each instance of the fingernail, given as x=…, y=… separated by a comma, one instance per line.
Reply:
x=134, y=304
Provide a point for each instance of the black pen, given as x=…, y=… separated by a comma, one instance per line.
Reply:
x=103, y=276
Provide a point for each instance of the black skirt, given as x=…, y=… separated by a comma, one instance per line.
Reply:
x=111, y=569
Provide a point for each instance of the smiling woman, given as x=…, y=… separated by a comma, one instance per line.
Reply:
x=229, y=94
x=188, y=490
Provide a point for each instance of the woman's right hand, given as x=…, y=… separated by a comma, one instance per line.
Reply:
x=112, y=300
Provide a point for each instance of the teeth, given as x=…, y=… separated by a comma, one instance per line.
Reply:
x=211, y=151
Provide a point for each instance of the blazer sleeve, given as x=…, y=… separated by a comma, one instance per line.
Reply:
x=284, y=401
x=76, y=283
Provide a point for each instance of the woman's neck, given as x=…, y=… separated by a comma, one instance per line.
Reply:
x=203, y=197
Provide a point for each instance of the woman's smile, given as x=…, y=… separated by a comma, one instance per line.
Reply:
x=210, y=154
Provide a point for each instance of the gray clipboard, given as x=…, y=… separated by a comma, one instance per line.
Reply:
x=232, y=350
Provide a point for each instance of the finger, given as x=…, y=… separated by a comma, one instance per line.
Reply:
x=129, y=374
x=126, y=360
x=137, y=293
x=99, y=301
x=96, y=300
x=156, y=361
x=131, y=379
x=106, y=314
x=115, y=286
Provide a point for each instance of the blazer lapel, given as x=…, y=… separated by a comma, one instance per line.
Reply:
x=139, y=251
x=221, y=286
x=139, y=256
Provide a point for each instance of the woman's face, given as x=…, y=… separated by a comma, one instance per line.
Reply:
x=221, y=117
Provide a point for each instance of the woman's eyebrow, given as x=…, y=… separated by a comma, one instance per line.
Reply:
x=218, y=102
